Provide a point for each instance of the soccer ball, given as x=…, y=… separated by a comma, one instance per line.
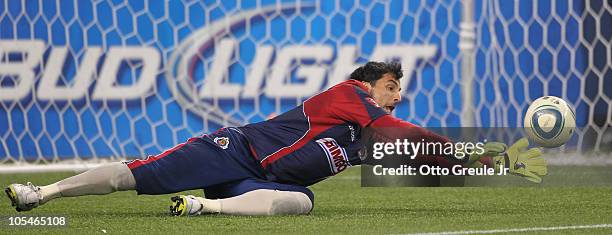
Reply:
x=550, y=121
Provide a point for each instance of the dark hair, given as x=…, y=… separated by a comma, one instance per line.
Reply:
x=372, y=71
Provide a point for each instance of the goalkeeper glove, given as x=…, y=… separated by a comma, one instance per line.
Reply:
x=525, y=163
x=491, y=149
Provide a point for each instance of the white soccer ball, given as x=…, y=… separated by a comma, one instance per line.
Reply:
x=550, y=122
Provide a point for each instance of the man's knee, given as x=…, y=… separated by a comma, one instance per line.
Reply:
x=290, y=203
x=122, y=179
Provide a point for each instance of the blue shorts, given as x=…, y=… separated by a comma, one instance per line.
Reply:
x=220, y=163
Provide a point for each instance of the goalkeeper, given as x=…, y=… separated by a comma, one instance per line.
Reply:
x=264, y=168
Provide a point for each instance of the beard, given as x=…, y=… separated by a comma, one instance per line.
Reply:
x=387, y=108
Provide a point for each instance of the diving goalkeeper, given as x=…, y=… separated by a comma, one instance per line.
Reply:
x=264, y=168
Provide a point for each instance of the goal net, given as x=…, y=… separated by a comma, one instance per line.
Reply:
x=85, y=82
x=529, y=49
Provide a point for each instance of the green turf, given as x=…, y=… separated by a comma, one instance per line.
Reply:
x=341, y=206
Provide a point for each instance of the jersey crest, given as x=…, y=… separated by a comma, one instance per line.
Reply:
x=223, y=142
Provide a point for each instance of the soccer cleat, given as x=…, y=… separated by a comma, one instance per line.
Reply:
x=185, y=205
x=23, y=197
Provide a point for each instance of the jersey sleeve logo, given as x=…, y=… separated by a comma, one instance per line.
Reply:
x=336, y=155
x=223, y=142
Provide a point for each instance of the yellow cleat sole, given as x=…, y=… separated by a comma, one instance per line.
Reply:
x=179, y=206
x=10, y=193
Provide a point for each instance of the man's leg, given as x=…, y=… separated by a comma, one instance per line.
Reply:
x=196, y=164
x=248, y=197
x=260, y=202
x=101, y=180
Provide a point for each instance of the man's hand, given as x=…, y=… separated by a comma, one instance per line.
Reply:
x=491, y=149
x=525, y=163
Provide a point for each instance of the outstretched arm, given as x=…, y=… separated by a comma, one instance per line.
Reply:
x=389, y=129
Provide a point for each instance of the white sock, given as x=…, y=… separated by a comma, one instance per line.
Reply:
x=49, y=192
x=210, y=206
x=105, y=179
x=260, y=202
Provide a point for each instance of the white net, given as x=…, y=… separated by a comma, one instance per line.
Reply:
x=103, y=80
x=529, y=49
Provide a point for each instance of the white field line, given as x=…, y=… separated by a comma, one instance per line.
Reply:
x=516, y=230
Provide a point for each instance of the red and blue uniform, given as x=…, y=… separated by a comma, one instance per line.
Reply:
x=298, y=148
x=317, y=139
